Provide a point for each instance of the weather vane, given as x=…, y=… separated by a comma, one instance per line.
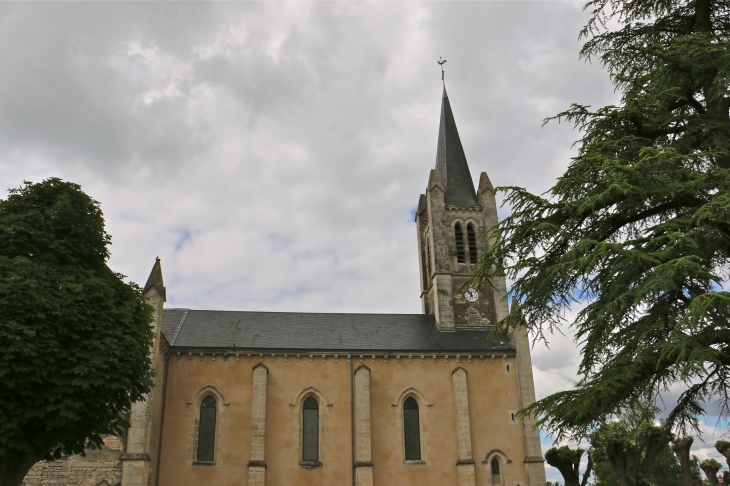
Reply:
x=441, y=63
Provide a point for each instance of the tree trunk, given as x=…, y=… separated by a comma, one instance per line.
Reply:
x=711, y=473
x=567, y=470
x=681, y=448
x=703, y=16
x=14, y=467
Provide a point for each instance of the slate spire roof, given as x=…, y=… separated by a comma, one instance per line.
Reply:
x=451, y=161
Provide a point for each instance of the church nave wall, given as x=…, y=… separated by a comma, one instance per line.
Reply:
x=492, y=397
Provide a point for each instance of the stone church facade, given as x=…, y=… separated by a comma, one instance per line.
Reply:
x=267, y=398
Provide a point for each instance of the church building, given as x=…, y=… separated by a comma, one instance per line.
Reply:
x=287, y=398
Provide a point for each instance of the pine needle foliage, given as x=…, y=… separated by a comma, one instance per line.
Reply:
x=637, y=230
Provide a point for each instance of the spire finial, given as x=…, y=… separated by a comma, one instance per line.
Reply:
x=441, y=63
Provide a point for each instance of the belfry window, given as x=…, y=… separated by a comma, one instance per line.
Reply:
x=459, y=233
x=496, y=476
x=411, y=430
x=472, y=243
x=310, y=430
x=206, y=430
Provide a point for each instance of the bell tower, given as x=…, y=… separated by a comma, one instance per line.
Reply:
x=452, y=219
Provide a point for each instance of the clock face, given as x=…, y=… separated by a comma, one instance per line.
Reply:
x=471, y=295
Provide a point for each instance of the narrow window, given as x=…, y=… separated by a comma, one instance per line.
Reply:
x=496, y=477
x=411, y=430
x=425, y=267
x=460, y=256
x=472, y=243
x=206, y=430
x=428, y=255
x=310, y=430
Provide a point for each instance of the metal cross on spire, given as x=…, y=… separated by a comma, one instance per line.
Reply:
x=441, y=63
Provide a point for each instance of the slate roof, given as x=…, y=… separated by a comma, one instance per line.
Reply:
x=451, y=162
x=294, y=331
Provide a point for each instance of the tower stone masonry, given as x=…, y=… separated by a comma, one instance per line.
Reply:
x=340, y=399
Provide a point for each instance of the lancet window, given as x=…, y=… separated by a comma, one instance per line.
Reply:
x=411, y=430
x=496, y=474
x=206, y=429
x=310, y=430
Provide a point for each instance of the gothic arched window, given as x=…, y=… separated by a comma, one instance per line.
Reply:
x=471, y=235
x=496, y=476
x=411, y=430
x=310, y=430
x=206, y=429
x=459, y=233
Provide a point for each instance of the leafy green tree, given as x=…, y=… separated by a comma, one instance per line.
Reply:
x=666, y=472
x=723, y=447
x=632, y=454
x=638, y=227
x=567, y=461
x=75, y=337
x=710, y=467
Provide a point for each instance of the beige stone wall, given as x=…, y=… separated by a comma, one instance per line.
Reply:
x=492, y=391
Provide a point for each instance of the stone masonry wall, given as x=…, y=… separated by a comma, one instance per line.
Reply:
x=75, y=472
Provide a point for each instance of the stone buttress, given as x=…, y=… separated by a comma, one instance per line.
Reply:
x=141, y=456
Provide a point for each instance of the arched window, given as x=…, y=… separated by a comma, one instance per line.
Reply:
x=411, y=430
x=206, y=430
x=460, y=256
x=496, y=476
x=472, y=243
x=310, y=430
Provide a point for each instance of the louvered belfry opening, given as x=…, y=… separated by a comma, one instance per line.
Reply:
x=206, y=430
x=411, y=430
x=459, y=233
x=310, y=430
x=472, y=243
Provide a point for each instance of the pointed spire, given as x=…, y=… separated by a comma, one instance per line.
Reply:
x=154, y=281
x=451, y=161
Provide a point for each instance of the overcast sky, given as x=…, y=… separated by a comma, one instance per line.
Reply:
x=272, y=154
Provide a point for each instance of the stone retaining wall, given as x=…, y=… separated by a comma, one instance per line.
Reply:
x=75, y=472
